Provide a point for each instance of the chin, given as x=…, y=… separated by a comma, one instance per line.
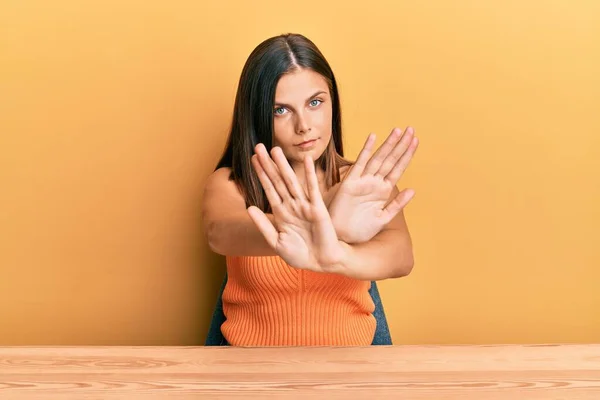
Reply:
x=297, y=156
x=314, y=153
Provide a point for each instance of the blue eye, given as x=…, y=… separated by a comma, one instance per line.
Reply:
x=279, y=110
x=315, y=102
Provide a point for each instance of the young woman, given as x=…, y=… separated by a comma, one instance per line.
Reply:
x=305, y=233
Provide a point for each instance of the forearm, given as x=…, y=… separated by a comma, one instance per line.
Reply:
x=388, y=255
x=237, y=235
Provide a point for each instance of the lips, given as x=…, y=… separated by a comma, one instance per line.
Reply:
x=307, y=143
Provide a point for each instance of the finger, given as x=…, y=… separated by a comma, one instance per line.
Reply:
x=399, y=202
x=392, y=159
x=363, y=157
x=264, y=225
x=272, y=172
x=288, y=174
x=375, y=162
x=402, y=163
x=312, y=182
x=266, y=183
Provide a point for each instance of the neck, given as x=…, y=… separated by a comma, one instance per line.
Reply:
x=301, y=174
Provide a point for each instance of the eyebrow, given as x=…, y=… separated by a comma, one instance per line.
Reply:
x=310, y=97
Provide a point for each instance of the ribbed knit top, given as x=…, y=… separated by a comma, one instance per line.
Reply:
x=266, y=302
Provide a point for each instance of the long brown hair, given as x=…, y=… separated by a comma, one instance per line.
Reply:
x=253, y=111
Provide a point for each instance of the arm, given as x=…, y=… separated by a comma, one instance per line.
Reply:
x=362, y=207
x=227, y=225
x=302, y=232
x=228, y=228
x=388, y=254
x=231, y=231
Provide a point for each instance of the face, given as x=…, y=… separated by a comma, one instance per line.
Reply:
x=302, y=115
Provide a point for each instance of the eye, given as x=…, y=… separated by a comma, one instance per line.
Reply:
x=280, y=110
x=315, y=102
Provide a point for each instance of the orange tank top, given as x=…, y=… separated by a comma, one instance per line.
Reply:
x=266, y=302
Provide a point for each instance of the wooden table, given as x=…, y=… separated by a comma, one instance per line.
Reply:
x=407, y=372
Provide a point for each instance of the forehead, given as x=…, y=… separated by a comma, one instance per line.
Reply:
x=299, y=85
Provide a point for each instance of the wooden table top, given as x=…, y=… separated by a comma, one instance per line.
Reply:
x=375, y=372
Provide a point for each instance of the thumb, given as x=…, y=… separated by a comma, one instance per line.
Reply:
x=264, y=225
x=397, y=204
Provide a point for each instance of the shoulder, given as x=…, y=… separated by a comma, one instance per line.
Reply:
x=219, y=176
x=220, y=181
x=220, y=191
x=344, y=170
x=344, y=167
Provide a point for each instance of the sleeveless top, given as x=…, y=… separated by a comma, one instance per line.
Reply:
x=267, y=302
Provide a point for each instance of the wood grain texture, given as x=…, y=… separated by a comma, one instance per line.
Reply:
x=415, y=372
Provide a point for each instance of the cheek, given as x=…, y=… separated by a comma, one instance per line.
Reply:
x=278, y=132
x=283, y=133
x=325, y=116
x=324, y=123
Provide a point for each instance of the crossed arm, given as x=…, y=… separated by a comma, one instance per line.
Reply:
x=362, y=233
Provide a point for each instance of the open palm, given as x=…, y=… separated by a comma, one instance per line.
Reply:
x=367, y=198
x=302, y=232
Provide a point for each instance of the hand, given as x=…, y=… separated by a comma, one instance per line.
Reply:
x=358, y=207
x=302, y=233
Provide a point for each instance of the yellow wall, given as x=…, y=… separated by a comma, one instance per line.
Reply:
x=113, y=113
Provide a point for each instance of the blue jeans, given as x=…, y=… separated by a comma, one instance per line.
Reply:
x=382, y=333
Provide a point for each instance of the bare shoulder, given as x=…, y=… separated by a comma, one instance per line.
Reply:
x=345, y=167
x=219, y=180
x=220, y=190
x=344, y=170
x=220, y=175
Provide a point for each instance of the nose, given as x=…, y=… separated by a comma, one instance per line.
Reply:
x=302, y=124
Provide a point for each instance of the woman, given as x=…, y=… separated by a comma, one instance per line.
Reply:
x=304, y=232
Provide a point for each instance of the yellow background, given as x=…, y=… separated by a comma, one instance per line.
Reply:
x=113, y=113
